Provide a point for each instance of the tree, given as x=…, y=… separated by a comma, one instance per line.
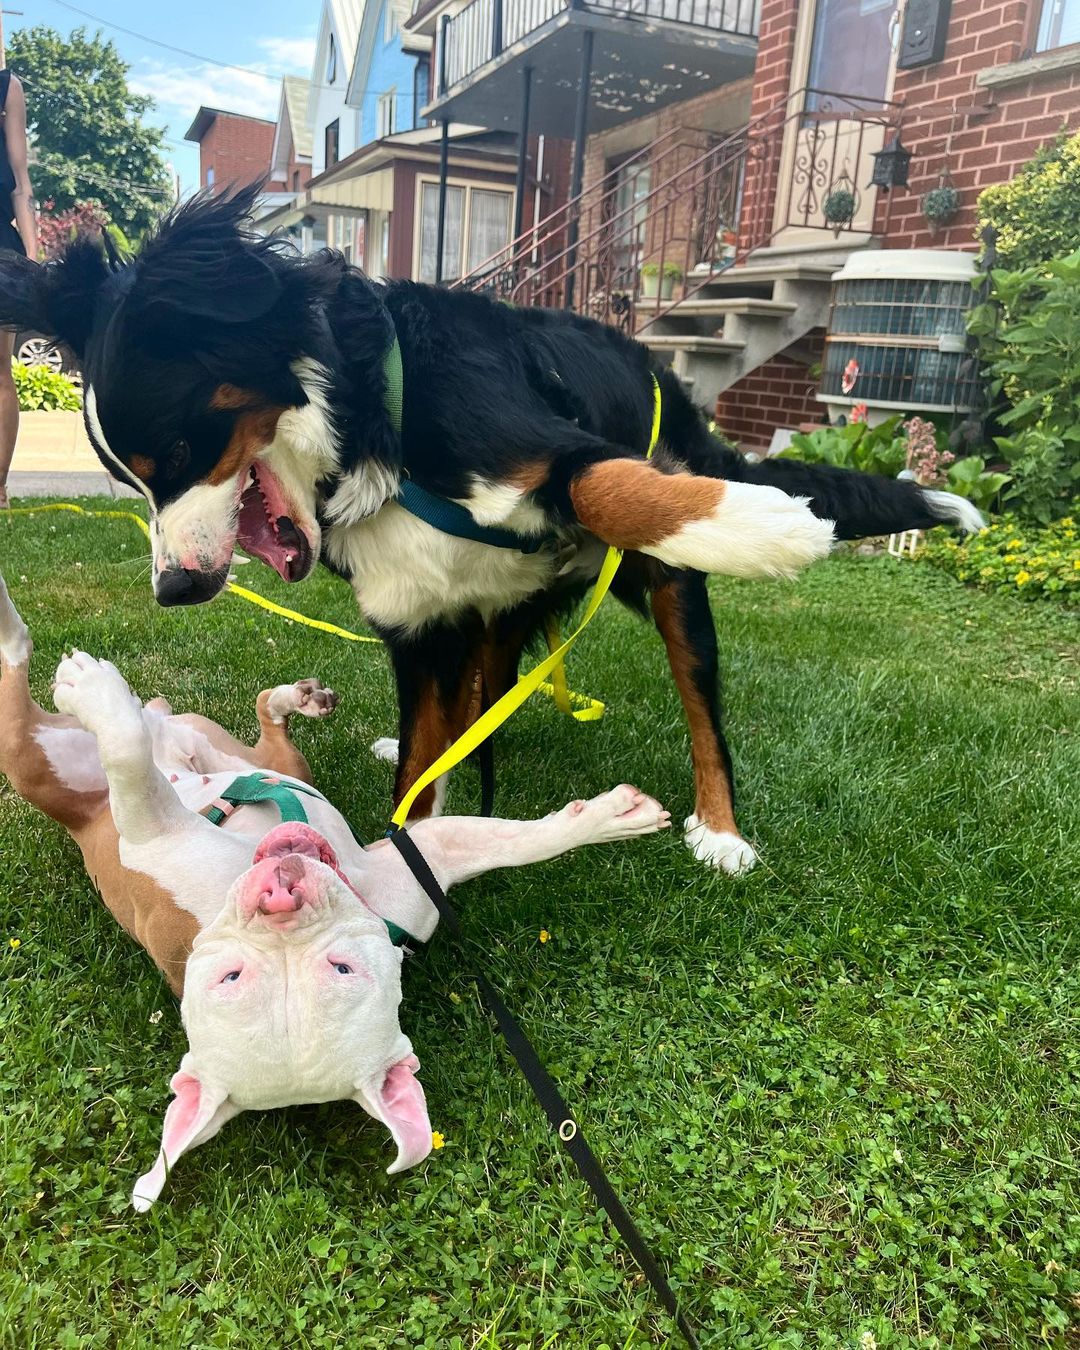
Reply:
x=87, y=128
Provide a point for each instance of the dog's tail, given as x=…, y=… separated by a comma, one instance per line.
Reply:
x=15, y=644
x=858, y=504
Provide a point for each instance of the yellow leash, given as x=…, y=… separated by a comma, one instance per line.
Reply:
x=578, y=706
x=551, y=665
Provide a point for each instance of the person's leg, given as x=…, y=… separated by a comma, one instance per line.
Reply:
x=9, y=412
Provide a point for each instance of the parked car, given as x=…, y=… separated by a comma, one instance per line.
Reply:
x=31, y=349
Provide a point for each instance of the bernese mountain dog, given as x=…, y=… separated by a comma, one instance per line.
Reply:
x=243, y=390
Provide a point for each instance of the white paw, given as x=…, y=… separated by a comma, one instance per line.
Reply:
x=96, y=694
x=753, y=531
x=307, y=698
x=622, y=813
x=719, y=848
x=386, y=747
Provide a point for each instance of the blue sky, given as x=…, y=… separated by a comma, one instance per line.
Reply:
x=275, y=37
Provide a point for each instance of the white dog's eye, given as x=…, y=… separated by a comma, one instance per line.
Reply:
x=231, y=978
x=342, y=968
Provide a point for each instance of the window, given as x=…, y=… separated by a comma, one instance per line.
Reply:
x=477, y=225
x=332, y=143
x=296, y=180
x=838, y=26
x=385, y=114
x=210, y=177
x=331, y=61
x=1059, y=25
x=421, y=89
x=389, y=22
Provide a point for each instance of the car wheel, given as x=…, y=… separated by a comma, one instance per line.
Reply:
x=37, y=351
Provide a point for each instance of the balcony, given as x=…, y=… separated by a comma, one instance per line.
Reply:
x=644, y=54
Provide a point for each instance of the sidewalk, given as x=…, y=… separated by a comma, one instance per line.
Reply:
x=54, y=458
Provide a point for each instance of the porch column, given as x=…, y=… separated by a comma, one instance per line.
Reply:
x=523, y=150
x=580, y=120
x=440, y=233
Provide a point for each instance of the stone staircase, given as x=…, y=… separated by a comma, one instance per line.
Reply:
x=733, y=321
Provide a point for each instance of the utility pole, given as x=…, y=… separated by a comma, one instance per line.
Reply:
x=3, y=52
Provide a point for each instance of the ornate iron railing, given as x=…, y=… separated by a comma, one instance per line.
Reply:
x=484, y=28
x=691, y=204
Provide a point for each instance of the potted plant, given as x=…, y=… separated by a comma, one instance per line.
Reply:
x=656, y=283
x=940, y=204
x=839, y=207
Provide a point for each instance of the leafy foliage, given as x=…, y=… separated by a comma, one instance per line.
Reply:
x=1035, y=214
x=88, y=127
x=842, y=1098
x=57, y=228
x=1029, y=335
x=885, y=449
x=43, y=390
x=1009, y=556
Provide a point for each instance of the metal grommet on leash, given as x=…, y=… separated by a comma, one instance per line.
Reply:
x=567, y=1130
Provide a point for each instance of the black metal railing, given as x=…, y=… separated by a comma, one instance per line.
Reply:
x=484, y=28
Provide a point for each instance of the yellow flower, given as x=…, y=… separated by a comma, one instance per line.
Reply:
x=1011, y=557
x=1015, y=543
x=437, y=1140
x=1067, y=520
x=14, y=944
x=1022, y=578
x=545, y=936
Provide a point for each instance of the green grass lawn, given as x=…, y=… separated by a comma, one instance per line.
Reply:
x=841, y=1096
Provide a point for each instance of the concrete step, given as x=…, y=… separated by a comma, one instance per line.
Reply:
x=714, y=311
x=692, y=344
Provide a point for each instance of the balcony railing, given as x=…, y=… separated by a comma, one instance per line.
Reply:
x=484, y=28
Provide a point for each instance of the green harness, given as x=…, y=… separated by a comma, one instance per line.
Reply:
x=261, y=787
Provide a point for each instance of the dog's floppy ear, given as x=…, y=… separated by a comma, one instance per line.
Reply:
x=397, y=1099
x=205, y=265
x=56, y=298
x=195, y=1114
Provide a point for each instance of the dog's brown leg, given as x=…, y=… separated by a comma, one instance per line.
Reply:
x=681, y=612
x=437, y=675
x=49, y=760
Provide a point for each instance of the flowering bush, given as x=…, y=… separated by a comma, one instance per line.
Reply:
x=1012, y=557
x=1034, y=214
x=926, y=460
x=58, y=228
x=43, y=390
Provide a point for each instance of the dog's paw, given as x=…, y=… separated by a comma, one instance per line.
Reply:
x=622, y=813
x=386, y=748
x=305, y=698
x=719, y=848
x=96, y=694
x=751, y=531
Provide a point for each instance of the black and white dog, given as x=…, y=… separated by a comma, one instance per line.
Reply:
x=242, y=390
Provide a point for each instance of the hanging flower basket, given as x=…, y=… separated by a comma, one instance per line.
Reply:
x=839, y=207
x=940, y=204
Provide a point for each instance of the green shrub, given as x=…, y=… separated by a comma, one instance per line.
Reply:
x=43, y=390
x=1035, y=214
x=1009, y=556
x=1029, y=337
x=885, y=449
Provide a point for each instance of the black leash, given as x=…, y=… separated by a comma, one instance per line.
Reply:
x=549, y=1097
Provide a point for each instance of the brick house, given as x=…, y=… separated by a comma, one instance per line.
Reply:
x=726, y=140
x=233, y=148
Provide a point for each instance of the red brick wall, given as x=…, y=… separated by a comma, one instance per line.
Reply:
x=237, y=148
x=983, y=134
x=779, y=393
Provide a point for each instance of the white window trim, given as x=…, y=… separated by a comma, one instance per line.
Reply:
x=331, y=59
x=469, y=184
x=387, y=103
x=389, y=22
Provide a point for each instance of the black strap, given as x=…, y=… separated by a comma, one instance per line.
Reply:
x=549, y=1097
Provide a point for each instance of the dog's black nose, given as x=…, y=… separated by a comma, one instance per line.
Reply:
x=183, y=586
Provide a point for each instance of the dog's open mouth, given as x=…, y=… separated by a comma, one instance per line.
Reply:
x=266, y=530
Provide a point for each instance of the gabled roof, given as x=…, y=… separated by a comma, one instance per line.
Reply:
x=346, y=15
x=293, y=128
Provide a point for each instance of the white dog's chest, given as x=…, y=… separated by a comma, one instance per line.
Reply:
x=405, y=573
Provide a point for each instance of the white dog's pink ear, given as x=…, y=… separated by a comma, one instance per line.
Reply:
x=398, y=1101
x=195, y=1114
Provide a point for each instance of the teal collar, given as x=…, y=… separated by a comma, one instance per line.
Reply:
x=266, y=787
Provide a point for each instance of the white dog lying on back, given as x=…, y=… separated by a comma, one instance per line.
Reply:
x=279, y=934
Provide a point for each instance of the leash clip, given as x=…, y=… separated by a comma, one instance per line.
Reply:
x=567, y=1130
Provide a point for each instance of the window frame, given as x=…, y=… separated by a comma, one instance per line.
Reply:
x=385, y=113
x=470, y=185
x=335, y=128
x=389, y=31
x=331, y=60
x=1043, y=18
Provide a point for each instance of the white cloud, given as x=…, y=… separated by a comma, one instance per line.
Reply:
x=179, y=90
x=290, y=55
